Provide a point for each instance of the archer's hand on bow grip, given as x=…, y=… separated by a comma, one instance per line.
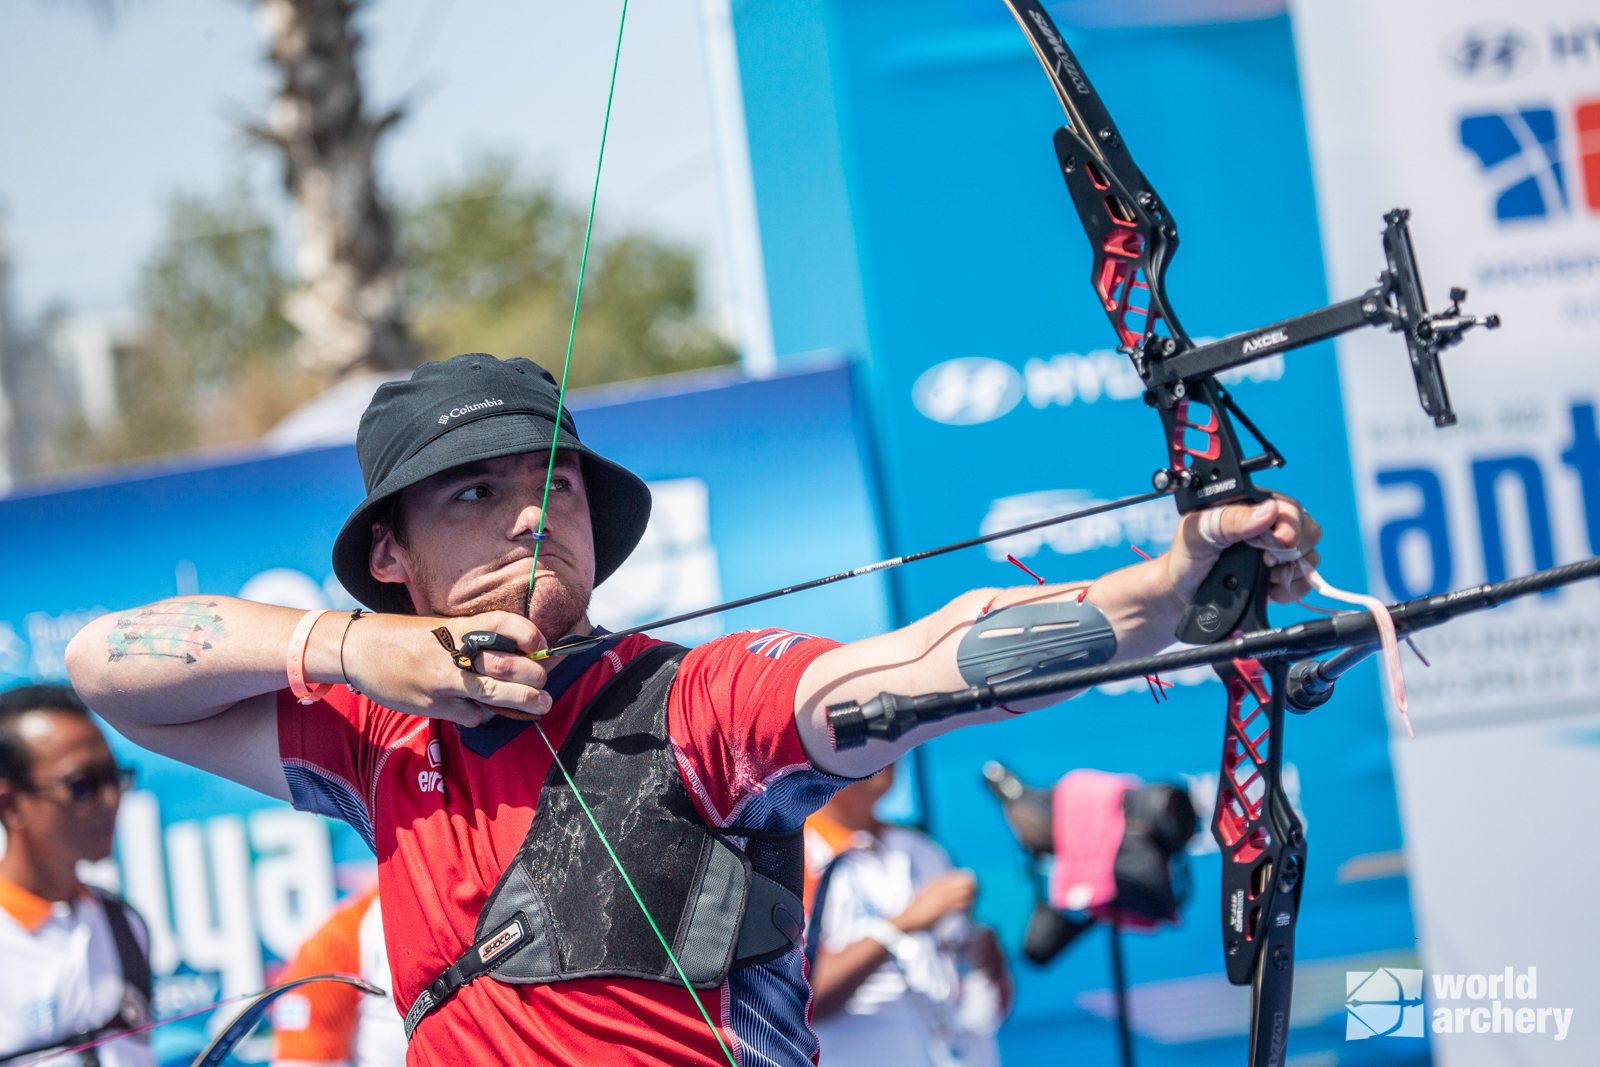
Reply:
x=1279, y=526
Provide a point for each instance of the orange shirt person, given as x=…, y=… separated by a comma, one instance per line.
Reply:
x=327, y=1023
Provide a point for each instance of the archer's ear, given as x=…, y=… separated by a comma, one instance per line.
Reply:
x=387, y=560
x=10, y=816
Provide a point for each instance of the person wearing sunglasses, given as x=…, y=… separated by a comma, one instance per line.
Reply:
x=76, y=958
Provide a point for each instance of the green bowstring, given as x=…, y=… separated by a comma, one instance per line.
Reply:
x=549, y=471
x=577, y=301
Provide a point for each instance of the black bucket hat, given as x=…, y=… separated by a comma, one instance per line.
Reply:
x=463, y=410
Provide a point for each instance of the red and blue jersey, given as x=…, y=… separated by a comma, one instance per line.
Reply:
x=446, y=809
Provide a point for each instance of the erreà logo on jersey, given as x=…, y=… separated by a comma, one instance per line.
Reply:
x=432, y=780
x=504, y=939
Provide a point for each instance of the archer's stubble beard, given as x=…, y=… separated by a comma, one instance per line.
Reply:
x=556, y=609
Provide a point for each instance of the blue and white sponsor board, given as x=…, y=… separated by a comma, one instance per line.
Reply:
x=1483, y=118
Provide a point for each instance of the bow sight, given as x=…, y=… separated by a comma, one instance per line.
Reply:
x=1176, y=372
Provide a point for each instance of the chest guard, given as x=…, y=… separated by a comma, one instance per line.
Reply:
x=562, y=911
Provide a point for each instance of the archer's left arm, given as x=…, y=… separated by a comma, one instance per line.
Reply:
x=1143, y=603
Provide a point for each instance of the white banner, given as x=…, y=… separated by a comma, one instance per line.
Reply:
x=1484, y=119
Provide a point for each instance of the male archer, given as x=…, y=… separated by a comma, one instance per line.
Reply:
x=511, y=936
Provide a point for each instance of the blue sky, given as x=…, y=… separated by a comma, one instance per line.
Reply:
x=103, y=120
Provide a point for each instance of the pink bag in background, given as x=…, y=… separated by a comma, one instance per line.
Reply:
x=1088, y=832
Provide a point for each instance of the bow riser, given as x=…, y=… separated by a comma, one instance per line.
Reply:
x=1261, y=839
x=1132, y=238
x=1207, y=466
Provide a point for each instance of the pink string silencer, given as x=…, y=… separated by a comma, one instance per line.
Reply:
x=1210, y=530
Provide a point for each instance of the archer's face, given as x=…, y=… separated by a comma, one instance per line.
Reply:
x=470, y=541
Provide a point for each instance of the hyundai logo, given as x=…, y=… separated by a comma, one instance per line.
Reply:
x=963, y=392
x=1489, y=52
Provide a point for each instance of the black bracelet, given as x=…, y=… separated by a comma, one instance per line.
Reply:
x=354, y=615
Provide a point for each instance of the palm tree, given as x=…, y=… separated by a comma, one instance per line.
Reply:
x=349, y=305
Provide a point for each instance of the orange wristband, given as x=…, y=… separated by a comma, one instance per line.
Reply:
x=297, y=659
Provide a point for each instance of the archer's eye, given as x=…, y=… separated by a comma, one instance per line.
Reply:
x=476, y=492
x=560, y=482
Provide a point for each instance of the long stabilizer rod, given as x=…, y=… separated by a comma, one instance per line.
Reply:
x=889, y=716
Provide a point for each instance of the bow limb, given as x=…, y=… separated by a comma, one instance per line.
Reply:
x=247, y=1019
x=214, y=1053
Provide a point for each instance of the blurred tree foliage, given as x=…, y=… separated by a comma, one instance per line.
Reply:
x=208, y=366
x=494, y=261
x=492, y=264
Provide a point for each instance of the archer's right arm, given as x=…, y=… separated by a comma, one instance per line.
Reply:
x=196, y=678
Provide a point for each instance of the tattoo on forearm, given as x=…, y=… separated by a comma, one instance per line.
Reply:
x=179, y=630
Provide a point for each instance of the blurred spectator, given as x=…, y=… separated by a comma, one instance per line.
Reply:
x=899, y=972
x=329, y=1023
x=76, y=958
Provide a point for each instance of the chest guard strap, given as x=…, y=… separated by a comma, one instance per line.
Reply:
x=560, y=911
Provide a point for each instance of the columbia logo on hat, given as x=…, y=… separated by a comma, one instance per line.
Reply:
x=471, y=409
x=488, y=402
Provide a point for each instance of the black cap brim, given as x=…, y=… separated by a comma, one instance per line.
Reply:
x=619, y=501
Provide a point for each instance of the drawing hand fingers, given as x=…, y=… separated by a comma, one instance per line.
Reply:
x=506, y=697
x=512, y=667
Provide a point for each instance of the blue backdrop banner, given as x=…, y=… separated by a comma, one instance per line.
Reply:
x=912, y=211
x=756, y=483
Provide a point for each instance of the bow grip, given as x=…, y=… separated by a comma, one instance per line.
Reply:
x=1236, y=585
